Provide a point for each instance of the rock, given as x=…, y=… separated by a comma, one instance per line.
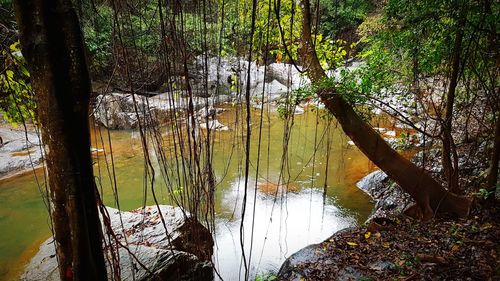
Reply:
x=145, y=224
x=295, y=267
x=166, y=264
x=117, y=110
x=390, y=133
x=349, y=273
x=274, y=89
x=214, y=125
x=298, y=110
x=288, y=270
x=287, y=74
x=389, y=196
x=227, y=72
x=20, y=151
x=209, y=112
x=372, y=182
x=186, y=257
x=381, y=265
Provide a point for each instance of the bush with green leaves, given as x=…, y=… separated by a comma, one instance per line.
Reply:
x=97, y=35
x=341, y=16
x=16, y=96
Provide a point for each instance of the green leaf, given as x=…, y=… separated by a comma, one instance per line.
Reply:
x=10, y=74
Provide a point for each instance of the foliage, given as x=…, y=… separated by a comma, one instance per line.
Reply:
x=16, y=96
x=98, y=37
x=278, y=27
x=5, y=4
x=483, y=193
x=266, y=277
x=343, y=16
x=407, y=41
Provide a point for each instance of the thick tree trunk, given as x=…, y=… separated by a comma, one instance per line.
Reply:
x=494, y=101
x=429, y=195
x=52, y=43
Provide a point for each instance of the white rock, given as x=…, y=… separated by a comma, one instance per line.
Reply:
x=214, y=125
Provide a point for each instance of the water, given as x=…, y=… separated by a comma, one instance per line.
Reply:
x=282, y=224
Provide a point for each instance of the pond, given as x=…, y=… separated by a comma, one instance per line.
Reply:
x=282, y=224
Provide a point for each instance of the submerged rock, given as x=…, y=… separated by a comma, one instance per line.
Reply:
x=180, y=249
x=213, y=125
x=209, y=112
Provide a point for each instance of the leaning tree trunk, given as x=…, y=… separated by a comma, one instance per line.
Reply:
x=429, y=195
x=52, y=43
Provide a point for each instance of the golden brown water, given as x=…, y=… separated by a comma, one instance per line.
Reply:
x=283, y=223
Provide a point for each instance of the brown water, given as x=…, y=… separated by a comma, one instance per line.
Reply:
x=282, y=224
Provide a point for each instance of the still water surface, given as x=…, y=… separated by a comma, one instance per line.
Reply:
x=281, y=224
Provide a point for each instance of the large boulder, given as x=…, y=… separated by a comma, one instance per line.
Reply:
x=171, y=245
x=306, y=263
x=231, y=71
x=287, y=75
x=390, y=198
x=19, y=151
x=117, y=110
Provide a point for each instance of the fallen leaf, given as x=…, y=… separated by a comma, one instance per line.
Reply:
x=431, y=258
x=368, y=234
x=352, y=244
x=486, y=226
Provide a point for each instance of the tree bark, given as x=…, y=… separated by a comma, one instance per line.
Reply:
x=429, y=195
x=492, y=179
x=495, y=158
x=52, y=43
x=450, y=157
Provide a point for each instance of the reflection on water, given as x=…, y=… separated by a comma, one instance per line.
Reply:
x=282, y=225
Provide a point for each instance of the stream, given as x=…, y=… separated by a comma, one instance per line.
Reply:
x=281, y=224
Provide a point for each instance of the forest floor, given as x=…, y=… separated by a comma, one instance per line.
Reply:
x=401, y=248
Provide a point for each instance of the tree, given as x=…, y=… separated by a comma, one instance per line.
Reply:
x=52, y=43
x=429, y=195
x=449, y=151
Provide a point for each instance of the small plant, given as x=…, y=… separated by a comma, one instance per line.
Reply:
x=483, y=193
x=265, y=277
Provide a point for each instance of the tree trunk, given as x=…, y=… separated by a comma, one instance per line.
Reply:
x=429, y=195
x=495, y=102
x=52, y=43
x=495, y=157
x=450, y=157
